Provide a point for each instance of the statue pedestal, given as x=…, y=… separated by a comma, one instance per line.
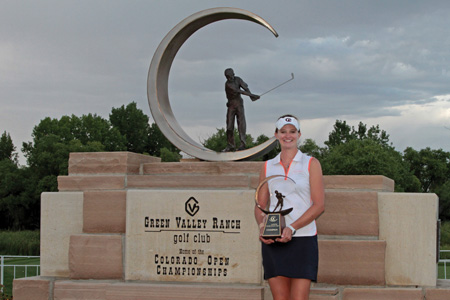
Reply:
x=126, y=226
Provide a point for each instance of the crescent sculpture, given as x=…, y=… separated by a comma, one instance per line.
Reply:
x=158, y=77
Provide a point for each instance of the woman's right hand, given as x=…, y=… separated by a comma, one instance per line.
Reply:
x=261, y=230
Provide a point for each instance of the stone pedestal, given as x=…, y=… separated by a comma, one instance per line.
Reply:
x=126, y=226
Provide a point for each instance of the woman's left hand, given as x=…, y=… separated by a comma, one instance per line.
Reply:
x=286, y=235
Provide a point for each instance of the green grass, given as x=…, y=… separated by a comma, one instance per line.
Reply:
x=445, y=245
x=19, y=242
x=441, y=271
x=20, y=271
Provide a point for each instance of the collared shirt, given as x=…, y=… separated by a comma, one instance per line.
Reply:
x=294, y=185
x=233, y=87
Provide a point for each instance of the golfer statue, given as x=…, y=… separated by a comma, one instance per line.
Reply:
x=234, y=87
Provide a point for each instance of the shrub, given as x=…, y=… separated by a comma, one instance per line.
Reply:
x=20, y=242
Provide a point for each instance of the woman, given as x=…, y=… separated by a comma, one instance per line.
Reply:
x=291, y=261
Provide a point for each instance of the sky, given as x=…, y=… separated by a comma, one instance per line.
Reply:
x=383, y=63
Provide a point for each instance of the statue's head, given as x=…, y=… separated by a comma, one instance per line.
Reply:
x=229, y=73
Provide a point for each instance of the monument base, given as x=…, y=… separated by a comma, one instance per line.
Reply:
x=44, y=288
x=120, y=218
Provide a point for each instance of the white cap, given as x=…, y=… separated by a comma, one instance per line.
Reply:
x=287, y=120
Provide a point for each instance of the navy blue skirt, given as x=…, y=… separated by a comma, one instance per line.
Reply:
x=298, y=258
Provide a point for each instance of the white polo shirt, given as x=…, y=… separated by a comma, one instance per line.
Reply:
x=297, y=193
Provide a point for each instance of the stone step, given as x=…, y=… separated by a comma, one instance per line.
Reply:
x=47, y=288
x=195, y=180
x=318, y=293
x=105, y=164
x=50, y=288
x=104, y=211
x=203, y=168
x=344, y=262
x=349, y=213
x=353, y=182
x=95, y=256
x=385, y=293
x=377, y=183
x=121, y=182
x=91, y=182
x=108, y=162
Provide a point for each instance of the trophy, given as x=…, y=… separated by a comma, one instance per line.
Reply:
x=279, y=186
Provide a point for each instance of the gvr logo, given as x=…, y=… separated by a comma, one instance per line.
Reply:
x=191, y=206
x=273, y=219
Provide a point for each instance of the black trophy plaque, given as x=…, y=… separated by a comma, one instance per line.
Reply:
x=274, y=221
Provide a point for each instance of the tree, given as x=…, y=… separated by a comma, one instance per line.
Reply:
x=87, y=128
x=443, y=193
x=365, y=152
x=48, y=155
x=368, y=157
x=14, y=188
x=157, y=141
x=169, y=156
x=7, y=148
x=218, y=141
x=343, y=133
x=133, y=124
x=431, y=167
x=272, y=153
x=310, y=147
x=18, y=206
x=54, y=139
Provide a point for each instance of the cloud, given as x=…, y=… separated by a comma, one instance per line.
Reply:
x=384, y=62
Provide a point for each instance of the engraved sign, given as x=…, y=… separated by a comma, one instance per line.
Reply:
x=201, y=236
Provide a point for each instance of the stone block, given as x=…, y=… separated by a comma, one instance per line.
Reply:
x=80, y=290
x=203, y=168
x=254, y=181
x=408, y=224
x=382, y=294
x=313, y=296
x=104, y=211
x=192, y=236
x=188, y=181
x=316, y=293
x=349, y=213
x=437, y=294
x=324, y=294
x=359, y=182
x=345, y=262
x=61, y=217
x=95, y=256
x=81, y=183
x=142, y=291
x=36, y=288
x=107, y=162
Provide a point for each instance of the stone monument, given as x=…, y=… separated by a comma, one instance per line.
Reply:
x=127, y=226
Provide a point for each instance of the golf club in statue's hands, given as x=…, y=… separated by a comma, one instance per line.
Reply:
x=283, y=83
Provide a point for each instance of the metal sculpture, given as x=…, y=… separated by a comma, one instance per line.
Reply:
x=157, y=84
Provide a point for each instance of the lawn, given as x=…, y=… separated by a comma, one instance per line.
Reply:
x=441, y=273
x=19, y=272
